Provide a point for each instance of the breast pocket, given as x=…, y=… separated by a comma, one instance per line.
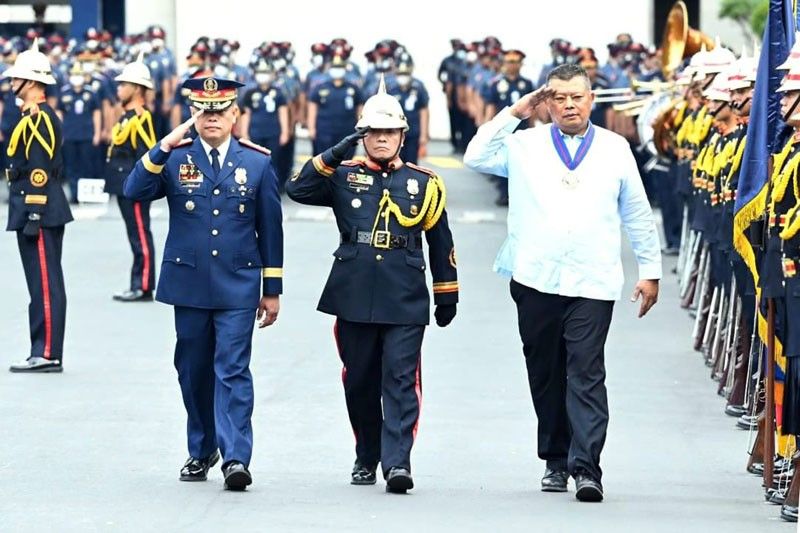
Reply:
x=188, y=202
x=179, y=256
x=240, y=202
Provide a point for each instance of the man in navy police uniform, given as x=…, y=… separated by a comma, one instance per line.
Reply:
x=382, y=206
x=225, y=235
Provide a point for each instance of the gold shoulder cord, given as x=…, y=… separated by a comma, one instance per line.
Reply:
x=21, y=131
x=429, y=214
x=135, y=127
x=782, y=173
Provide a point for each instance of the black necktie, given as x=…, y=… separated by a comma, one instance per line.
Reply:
x=215, y=161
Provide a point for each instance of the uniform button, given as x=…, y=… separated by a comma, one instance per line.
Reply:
x=379, y=257
x=249, y=264
x=385, y=175
x=214, y=232
x=216, y=212
x=214, y=253
x=177, y=259
x=216, y=192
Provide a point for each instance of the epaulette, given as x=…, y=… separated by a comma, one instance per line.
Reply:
x=353, y=163
x=424, y=170
x=254, y=146
x=184, y=142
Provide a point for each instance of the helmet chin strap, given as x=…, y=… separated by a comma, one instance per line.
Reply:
x=789, y=113
x=21, y=86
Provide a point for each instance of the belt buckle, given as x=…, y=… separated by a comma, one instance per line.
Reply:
x=382, y=239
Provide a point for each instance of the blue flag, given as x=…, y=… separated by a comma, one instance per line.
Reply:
x=765, y=124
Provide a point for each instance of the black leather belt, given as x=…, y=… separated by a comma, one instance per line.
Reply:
x=383, y=239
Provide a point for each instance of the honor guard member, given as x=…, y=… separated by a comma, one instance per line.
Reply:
x=413, y=98
x=81, y=115
x=222, y=261
x=333, y=108
x=382, y=206
x=38, y=209
x=131, y=138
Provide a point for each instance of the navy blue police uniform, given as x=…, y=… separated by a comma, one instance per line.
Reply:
x=336, y=111
x=223, y=252
x=77, y=106
x=413, y=99
x=377, y=290
x=38, y=210
x=8, y=118
x=131, y=138
x=262, y=103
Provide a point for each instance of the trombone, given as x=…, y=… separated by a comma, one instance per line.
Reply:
x=638, y=91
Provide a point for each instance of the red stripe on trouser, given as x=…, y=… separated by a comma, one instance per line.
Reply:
x=137, y=211
x=48, y=321
x=418, y=390
x=344, y=368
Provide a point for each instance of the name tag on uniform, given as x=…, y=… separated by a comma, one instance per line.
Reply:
x=359, y=182
x=189, y=175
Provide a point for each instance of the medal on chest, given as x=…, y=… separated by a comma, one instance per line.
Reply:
x=570, y=179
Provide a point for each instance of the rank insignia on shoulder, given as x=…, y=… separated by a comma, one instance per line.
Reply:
x=254, y=146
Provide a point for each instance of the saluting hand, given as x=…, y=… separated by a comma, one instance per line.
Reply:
x=268, y=309
x=177, y=135
x=648, y=290
x=524, y=107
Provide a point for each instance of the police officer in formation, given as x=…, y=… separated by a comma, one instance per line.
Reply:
x=131, y=138
x=227, y=191
x=413, y=98
x=382, y=206
x=333, y=106
x=38, y=208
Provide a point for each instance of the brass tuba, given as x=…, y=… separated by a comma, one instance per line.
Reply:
x=680, y=41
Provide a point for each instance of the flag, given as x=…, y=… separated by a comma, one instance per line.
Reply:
x=762, y=133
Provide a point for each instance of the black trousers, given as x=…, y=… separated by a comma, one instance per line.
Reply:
x=563, y=341
x=382, y=362
x=137, y=224
x=47, y=311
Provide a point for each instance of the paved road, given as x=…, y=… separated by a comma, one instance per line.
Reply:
x=99, y=447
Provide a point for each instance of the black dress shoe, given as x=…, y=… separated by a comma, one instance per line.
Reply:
x=789, y=513
x=237, y=477
x=775, y=496
x=747, y=422
x=735, y=410
x=398, y=480
x=197, y=469
x=555, y=480
x=37, y=365
x=670, y=251
x=137, y=295
x=362, y=475
x=588, y=489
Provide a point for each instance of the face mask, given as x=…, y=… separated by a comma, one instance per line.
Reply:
x=337, y=73
x=461, y=54
x=404, y=79
x=279, y=64
x=76, y=80
x=263, y=78
x=88, y=68
x=317, y=61
x=472, y=56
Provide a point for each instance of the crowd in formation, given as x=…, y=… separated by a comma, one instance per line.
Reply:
x=737, y=257
x=480, y=78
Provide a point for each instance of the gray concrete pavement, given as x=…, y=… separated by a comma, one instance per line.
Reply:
x=99, y=447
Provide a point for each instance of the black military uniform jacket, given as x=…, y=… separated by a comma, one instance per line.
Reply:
x=378, y=275
x=131, y=138
x=35, y=168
